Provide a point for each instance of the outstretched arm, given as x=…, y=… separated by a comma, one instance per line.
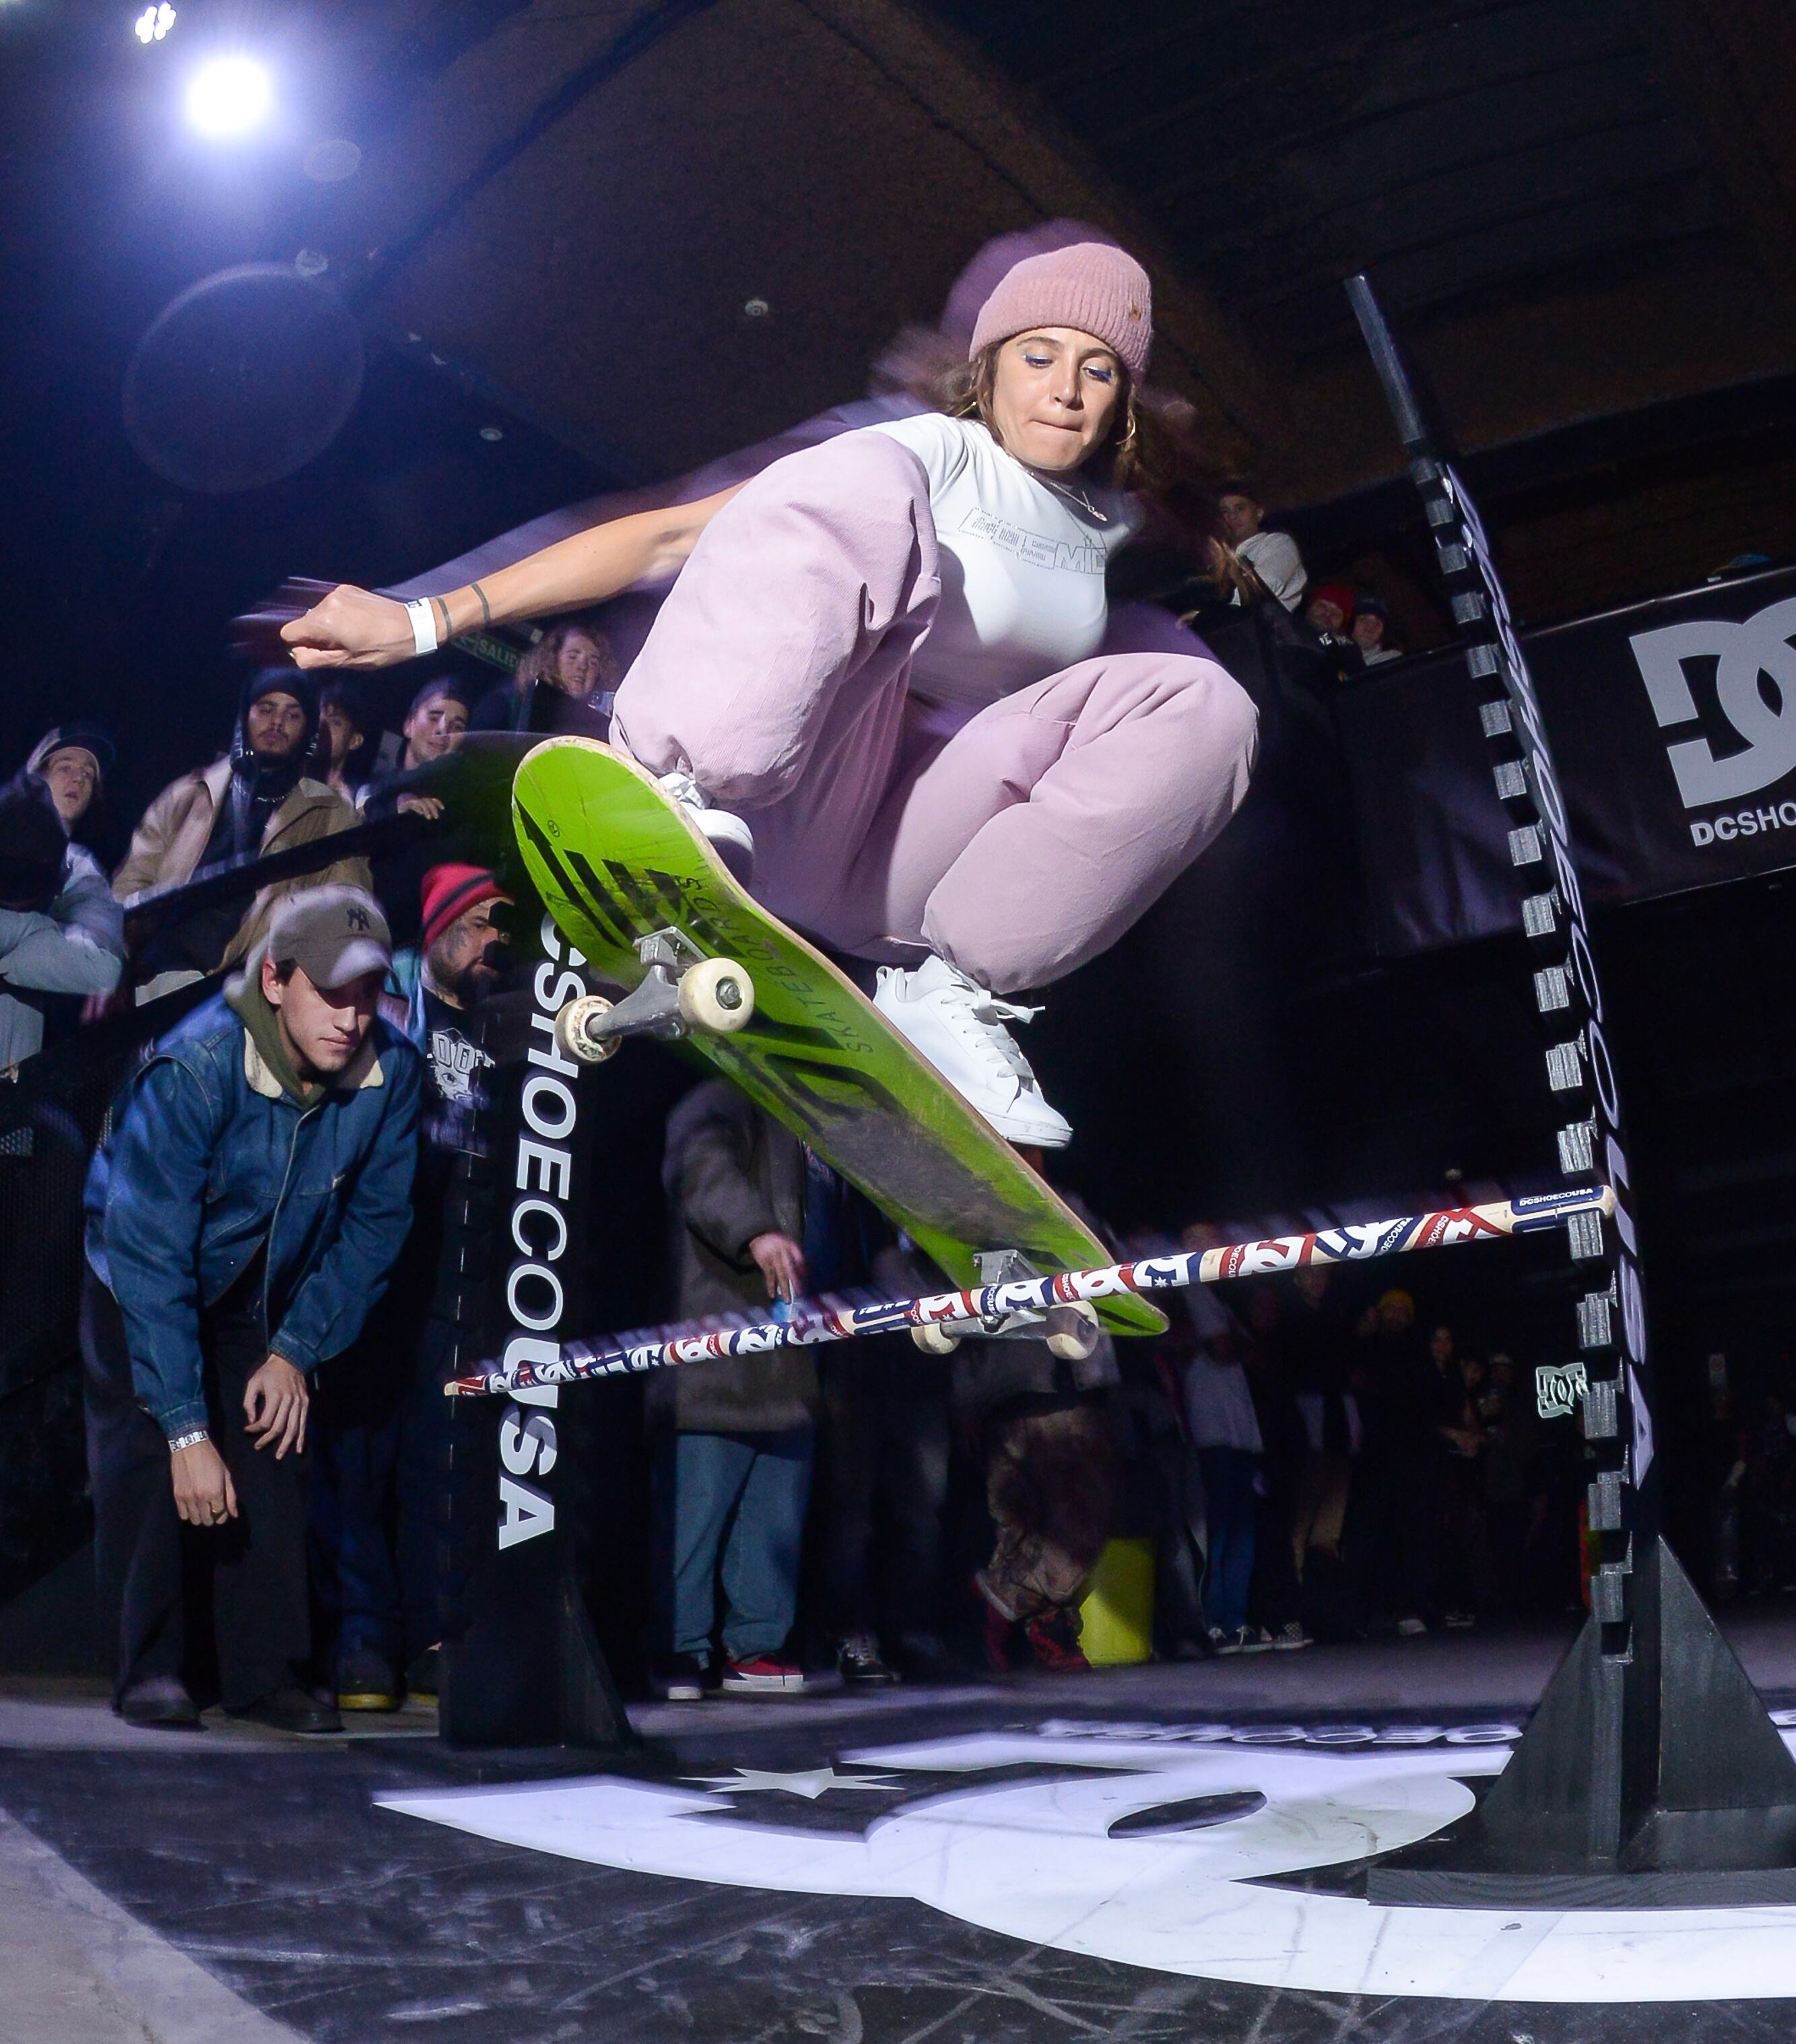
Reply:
x=353, y=627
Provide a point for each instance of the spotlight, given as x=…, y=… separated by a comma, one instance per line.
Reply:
x=229, y=96
x=154, y=23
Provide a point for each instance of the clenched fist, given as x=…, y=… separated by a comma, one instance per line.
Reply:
x=351, y=628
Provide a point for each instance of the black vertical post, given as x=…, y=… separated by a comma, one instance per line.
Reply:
x=523, y=1666
x=1650, y=1773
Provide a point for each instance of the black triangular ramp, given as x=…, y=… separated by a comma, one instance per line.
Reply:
x=1658, y=1781
x=592, y=1711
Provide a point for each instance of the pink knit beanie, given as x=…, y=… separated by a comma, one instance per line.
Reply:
x=1092, y=287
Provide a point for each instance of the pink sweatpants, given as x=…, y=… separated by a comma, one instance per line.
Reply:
x=1018, y=847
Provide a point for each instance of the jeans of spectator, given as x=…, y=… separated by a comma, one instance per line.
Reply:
x=1231, y=1505
x=1276, y=1596
x=1178, y=1589
x=354, y=1431
x=422, y=1537
x=884, y=1477
x=1050, y=1484
x=1392, y=1536
x=256, y=1561
x=1463, y=1566
x=741, y=1496
x=1506, y=1521
x=1319, y=1511
x=380, y=1433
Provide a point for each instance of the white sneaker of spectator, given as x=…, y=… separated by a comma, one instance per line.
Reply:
x=958, y=1025
x=1411, y=1628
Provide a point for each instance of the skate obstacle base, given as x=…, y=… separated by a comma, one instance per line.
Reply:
x=1650, y=1776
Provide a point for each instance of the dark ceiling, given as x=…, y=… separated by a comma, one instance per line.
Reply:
x=1577, y=207
x=656, y=230
x=1463, y=152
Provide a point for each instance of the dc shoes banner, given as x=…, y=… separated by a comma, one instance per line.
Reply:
x=1674, y=725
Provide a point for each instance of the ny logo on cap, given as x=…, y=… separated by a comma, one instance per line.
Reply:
x=357, y=918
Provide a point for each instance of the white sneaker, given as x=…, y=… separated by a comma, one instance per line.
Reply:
x=959, y=1027
x=726, y=831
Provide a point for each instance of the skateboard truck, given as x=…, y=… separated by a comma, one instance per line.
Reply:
x=1071, y=1331
x=681, y=991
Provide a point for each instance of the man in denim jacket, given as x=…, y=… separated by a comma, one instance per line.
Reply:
x=242, y=1218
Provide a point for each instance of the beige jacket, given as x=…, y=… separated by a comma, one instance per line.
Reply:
x=170, y=841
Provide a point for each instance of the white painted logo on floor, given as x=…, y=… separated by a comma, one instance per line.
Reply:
x=1084, y=1863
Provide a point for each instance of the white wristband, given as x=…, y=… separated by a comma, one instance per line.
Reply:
x=424, y=624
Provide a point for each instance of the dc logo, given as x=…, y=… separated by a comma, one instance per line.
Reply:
x=1758, y=646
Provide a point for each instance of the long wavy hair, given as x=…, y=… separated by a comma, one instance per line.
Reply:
x=1150, y=449
x=543, y=659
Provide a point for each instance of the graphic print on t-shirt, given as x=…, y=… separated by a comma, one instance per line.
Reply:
x=454, y=1062
x=1036, y=548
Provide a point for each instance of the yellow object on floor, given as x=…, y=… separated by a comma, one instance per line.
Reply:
x=1117, y=1615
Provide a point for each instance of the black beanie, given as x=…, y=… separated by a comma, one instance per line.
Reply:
x=32, y=845
x=283, y=681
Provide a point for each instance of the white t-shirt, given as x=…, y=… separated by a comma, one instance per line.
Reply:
x=1022, y=565
x=1274, y=557
x=1219, y=1406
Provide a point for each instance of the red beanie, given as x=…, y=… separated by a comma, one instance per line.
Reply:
x=450, y=891
x=1340, y=594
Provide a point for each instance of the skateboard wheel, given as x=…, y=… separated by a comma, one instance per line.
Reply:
x=934, y=1339
x=572, y=1023
x=717, y=995
x=1073, y=1331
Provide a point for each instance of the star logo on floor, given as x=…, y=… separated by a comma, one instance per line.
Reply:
x=809, y=1782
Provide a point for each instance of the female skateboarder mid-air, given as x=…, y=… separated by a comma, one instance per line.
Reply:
x=874, y=681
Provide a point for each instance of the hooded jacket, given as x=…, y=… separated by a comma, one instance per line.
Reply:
x=64, y=934
x=216, y=1151
x=168, y=845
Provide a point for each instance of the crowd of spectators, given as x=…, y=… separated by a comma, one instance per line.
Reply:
x=1306, y=1465
x=253, y=1199
x=1336, y=629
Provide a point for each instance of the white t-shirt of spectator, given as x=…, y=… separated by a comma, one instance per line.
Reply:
x=1379, y=655
x=1219, y=1406
x=1022, y=565
x=1274, y=557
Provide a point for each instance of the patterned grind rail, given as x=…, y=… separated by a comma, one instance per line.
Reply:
x=969, y=1310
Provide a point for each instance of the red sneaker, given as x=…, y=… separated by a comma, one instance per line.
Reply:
x=1053, y=1638
x=762, y=1675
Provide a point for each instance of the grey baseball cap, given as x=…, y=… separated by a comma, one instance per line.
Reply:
x=333, y=935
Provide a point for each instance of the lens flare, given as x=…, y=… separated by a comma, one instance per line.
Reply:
x=229, y=96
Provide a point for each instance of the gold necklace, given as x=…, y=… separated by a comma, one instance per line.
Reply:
x=1077, y=497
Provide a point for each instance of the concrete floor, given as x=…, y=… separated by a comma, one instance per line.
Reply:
x=146, y=1892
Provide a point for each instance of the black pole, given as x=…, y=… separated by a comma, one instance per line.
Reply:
x=1651, y=1773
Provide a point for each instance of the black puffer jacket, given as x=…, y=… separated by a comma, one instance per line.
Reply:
x=732, y=1174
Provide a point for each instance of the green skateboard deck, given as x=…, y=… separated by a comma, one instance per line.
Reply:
x=616, y=860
